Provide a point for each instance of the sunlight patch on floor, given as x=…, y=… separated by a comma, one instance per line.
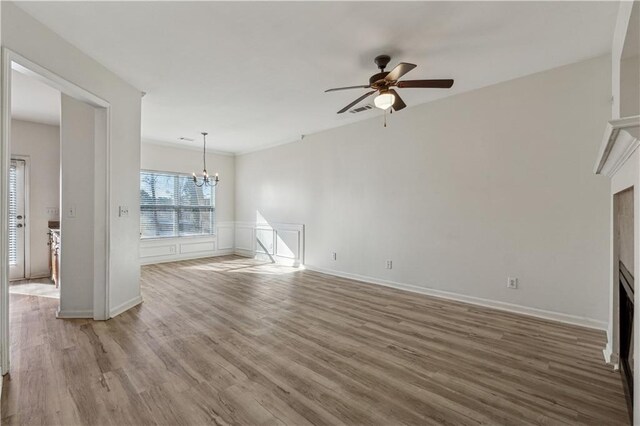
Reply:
x=248, y=266
x=35, y=289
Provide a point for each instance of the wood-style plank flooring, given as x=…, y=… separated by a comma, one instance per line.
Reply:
x=235, y=341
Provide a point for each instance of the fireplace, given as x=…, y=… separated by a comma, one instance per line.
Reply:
x=626, y=292
x=619, y=160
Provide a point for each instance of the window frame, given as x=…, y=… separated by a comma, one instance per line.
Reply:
x=177, y=208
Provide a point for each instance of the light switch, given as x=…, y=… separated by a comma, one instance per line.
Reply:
x=71, y=211
x=52, y=213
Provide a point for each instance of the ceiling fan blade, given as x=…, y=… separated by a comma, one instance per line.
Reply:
x=356, y=101
x=401, y=69
x=346, y=88
x=398, y=104
x=435, y=84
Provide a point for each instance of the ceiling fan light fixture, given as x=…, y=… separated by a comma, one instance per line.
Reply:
x=384, y=100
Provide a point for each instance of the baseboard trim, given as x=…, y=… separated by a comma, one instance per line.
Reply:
x=610, y=357
x=487, y=303
x=125, y=306
x=74, y=314
x=244, y=253
x=39, y=275
x=178, y=258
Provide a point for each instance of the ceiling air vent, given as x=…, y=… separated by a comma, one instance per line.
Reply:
x=360, y=109
x=186, y=139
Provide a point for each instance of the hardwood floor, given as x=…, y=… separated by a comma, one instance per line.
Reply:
x=233, y=341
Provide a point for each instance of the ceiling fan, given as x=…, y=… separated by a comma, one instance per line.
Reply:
x=384, y=82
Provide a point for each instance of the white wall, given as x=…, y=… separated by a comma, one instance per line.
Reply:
x=26, y=36
x=41, y=144
x=78, y=183
x=164, y=158
x=630, y=86
x=460, y=193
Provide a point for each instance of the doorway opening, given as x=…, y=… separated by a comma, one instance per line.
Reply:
x=34, y=188
x=61, y=248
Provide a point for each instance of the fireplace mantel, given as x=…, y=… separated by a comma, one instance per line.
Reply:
x=621, y=138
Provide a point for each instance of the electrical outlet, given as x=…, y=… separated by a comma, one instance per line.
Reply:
x=389, y=264
x=512, y=282
x=172, y=249
x=123, y=211
x=334, y=256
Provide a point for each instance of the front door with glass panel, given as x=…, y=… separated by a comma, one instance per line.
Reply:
x=16, y=219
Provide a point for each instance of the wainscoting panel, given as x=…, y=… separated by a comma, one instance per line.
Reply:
x=245, y=237
x=182, y=248
x=225, y=236
x=150, y=250
x=198, y=247
x=265, y=240
x=288, y=243
x=278, y=242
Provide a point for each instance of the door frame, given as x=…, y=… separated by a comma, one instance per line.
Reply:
x=27, y=213
x=101, y=290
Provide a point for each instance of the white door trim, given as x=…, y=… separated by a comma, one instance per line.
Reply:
x=13, y=60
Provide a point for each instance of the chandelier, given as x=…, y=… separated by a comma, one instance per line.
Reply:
x=206, y=179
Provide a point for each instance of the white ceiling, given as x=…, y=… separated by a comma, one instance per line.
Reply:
x=252, y=74
x=32, y=100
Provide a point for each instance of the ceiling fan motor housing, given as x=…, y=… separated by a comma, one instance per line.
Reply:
x=377, y=77
x=382, y=61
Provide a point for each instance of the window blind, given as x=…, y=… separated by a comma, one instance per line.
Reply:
x=13, y=211
x=171, y=205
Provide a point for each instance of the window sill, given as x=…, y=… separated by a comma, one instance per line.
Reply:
x=183, y=237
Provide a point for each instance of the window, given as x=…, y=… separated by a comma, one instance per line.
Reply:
x=172, y=206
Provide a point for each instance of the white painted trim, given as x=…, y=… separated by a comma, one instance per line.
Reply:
x=13, y=60
x=195, y=146
x=4, y=211
x=33, y=70
x=101, y=310
x=623, y=19
x=40, y=275
x=125, y=306
x=244, y=253
x=191, y=256
x=269, y=146
x=619, y=142
x=503, y=306
x=610, y=357
x=18, y=62
x=87, y=313
x=173, y=249
x=277, y=228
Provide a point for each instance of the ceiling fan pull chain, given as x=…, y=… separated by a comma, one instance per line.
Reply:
x=385, y=118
